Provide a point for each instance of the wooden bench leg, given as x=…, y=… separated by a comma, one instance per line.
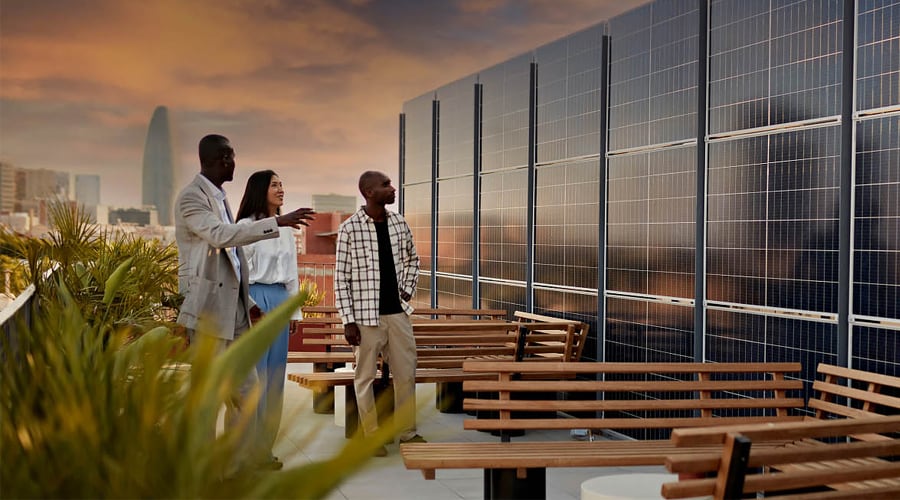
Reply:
x=449, y=396
x=505, y=483
x=384, y=404
x=351, y=412
x=323, y=399
x=731, y=475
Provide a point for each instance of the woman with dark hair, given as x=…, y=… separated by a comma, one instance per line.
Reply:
x=273, y=278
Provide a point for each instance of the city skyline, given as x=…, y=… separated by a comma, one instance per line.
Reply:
x=310, y=90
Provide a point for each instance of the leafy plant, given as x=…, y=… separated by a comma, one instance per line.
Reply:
x=83, y=257
x=12, y=267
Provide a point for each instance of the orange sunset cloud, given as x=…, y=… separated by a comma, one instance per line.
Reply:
x=311, y=89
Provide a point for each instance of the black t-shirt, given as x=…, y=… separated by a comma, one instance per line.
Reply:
x=389, y=294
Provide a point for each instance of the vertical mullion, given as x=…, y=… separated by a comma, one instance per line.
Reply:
x=435, y=144
x=700, y=185
x=600, y=354
x=846, y=183
x=529, y=220
x=476, y=197
x=402, y=164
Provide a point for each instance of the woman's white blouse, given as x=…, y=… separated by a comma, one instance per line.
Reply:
x=274, y=261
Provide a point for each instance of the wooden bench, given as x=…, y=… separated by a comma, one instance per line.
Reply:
x=556, y=342
x=549, y=346
x=542, y=338
x=840, y=394
x=636, y=397
x=818, y=459
x=849, y=393
x=327, y=331
x=442, y=349
x=451, y=341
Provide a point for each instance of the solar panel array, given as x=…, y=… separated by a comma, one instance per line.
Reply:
x=709, y=187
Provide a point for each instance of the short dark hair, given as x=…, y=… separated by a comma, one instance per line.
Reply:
x=255, y=203
x=366, y=180
x=210, y=148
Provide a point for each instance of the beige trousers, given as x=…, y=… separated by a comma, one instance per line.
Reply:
x=393, y=337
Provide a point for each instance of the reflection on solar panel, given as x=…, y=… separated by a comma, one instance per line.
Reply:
x=877, y=49
x=773, y=62
x=876, y=241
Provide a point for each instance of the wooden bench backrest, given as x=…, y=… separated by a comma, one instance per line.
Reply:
x=439, y=340
x=634, y=395
x=484, y=314
x=449, y=345
x=548, y=341
x=556, y=339
x=465, y=329
x=845, y=392
x=442, y=343
x=317, y=312
x=576, y=336
x=815, y=453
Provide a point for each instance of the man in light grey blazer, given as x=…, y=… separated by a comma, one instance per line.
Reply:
x=212, y=272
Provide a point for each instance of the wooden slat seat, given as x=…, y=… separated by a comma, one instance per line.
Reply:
x=423, y=375
x=430, y=457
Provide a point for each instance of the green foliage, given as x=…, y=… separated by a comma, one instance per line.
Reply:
x=11, y=263
x=88, y=413
x=84, y=257
x=97, y=399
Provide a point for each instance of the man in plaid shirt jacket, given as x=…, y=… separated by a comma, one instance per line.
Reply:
x=375, y=275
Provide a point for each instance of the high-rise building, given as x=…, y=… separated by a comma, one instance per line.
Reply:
x=324, y=203
x=87, y=189
x=144, y=216
x=158, y=170
x=37, y=185
x=700, y=180
x=7, y=187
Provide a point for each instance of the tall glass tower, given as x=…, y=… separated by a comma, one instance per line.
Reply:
x=158, y=170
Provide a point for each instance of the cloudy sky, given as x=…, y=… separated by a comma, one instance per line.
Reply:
x=311, y=89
